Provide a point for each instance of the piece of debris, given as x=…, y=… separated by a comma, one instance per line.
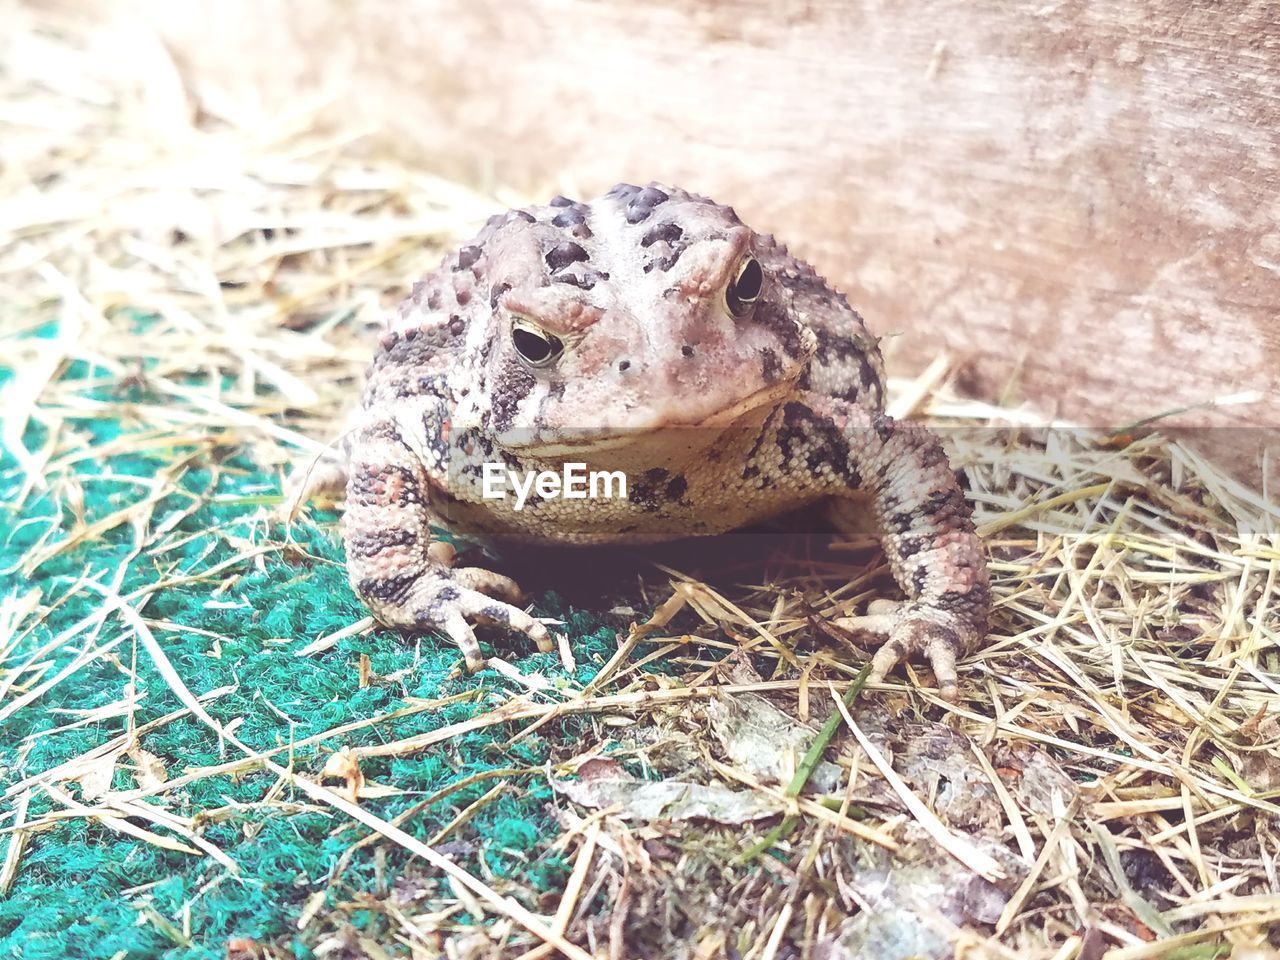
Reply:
x=606, y=784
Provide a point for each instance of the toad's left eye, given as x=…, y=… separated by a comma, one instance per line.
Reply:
x=536, y=347
x=745, y=288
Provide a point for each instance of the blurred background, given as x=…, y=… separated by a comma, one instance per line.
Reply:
x=1073, y=205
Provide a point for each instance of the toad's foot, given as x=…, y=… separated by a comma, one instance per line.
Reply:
x=910, y=628
x=406, y=579
x=446, y=599
x=434, y=595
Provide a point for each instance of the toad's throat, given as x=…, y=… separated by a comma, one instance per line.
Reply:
x=560, y=444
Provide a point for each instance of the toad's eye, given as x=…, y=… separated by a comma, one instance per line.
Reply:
x=745, y=287
x=536, y=347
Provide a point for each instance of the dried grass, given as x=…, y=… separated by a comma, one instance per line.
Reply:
x=1134, y=643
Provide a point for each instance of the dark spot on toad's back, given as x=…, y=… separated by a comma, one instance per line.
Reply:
x=668, y=232
x=581, y=276
x=641, y=205
x=666, y=256
x=569, y=217
x=467, y=257
x=561, y=255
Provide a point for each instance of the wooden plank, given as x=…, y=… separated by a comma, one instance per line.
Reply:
x=1082, y=196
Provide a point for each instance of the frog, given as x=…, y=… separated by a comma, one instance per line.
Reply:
x=650, y=338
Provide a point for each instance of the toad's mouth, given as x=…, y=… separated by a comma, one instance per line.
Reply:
x=557, y=443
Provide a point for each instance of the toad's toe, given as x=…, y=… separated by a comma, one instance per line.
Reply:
x=910, y=629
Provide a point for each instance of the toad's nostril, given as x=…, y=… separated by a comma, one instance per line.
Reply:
x=624, y=366
x=687, y=350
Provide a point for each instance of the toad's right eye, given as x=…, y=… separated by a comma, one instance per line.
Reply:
x=745, y=288
x=536, y=347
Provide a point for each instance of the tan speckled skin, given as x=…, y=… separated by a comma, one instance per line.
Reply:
x=721, y=410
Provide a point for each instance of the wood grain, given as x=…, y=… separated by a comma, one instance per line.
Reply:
x=1080, y=200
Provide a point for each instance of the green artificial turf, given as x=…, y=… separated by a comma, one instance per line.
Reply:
x=70, y=898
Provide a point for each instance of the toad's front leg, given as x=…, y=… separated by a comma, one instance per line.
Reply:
x=386, y=528
x=926, y=524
